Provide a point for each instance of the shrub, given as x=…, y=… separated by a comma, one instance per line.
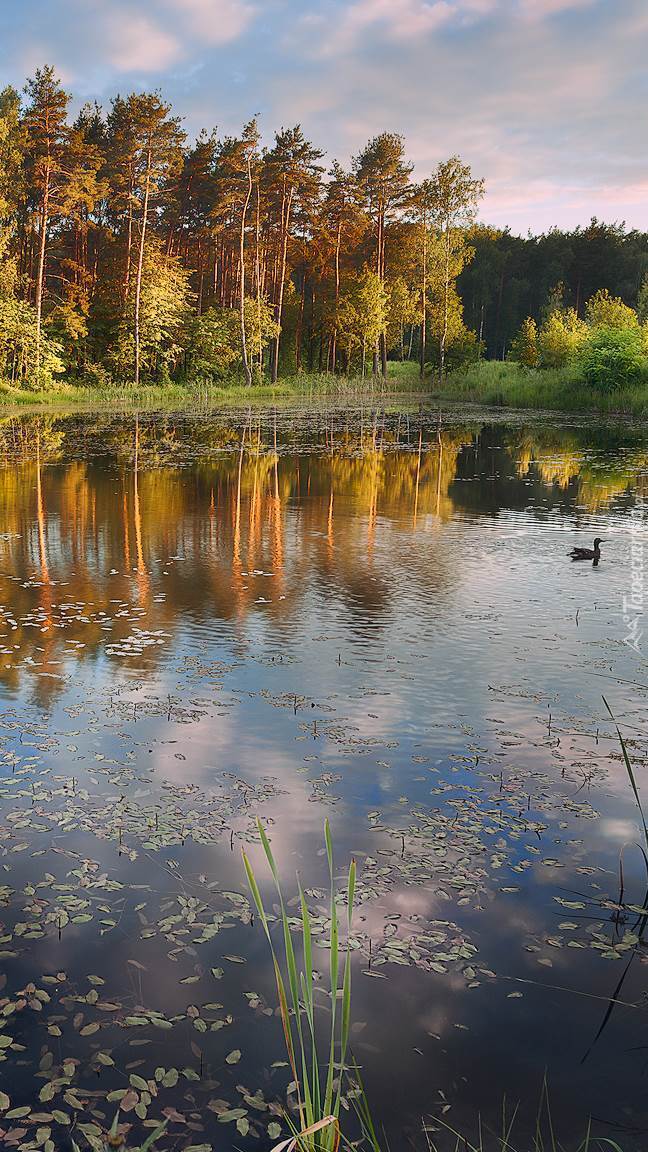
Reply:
x=525, y=345
x=613, y=358
x=605, y=311
x=560, y=337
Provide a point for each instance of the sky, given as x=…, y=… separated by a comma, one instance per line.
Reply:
x=545, y=99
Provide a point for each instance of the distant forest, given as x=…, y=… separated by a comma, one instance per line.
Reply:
x=510, y=278
x=129, y=253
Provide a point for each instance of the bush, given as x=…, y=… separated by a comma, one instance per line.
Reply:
x=96, y=376
x=605, y=311
x=560, y=337
x=524, y=349
x=613, y=358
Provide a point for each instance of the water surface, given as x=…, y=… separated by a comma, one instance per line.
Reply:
x=363, y=615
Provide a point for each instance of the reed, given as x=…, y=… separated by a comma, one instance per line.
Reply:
x=631, y=777
x=507, y=1136
x=317, y=1055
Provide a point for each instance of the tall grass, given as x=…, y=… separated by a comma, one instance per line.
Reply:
x=507, y=1137
x=178, y=393
x=318, y=1067
x=544, y=1136
x=507, y=384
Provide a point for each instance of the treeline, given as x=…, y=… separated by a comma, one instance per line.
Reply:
x=129, y=253
x=511, y=277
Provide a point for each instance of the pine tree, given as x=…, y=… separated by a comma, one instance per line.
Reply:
x=47, y=140
x=383, y=178
x=145, y=153
x=291, y=178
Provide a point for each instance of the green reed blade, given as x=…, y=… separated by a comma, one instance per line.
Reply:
x=629, y=770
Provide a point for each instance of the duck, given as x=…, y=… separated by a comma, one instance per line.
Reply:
x=588, y=553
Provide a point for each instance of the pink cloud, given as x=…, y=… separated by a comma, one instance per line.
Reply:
x=139, y=45
x=538, y=9
x=213, y=21
x=400, y=19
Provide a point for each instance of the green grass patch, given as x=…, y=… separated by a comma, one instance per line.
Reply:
x=492, y=383
x=509, y=385
x=401, y=380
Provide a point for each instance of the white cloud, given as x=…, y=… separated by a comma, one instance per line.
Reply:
x=136, y=44
x=544, y=98
x=539, y=9
x=212, y=21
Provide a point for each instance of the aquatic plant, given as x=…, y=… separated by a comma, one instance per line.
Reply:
x=319, y=1082
x=543, y=1137
x=116, y=1138
x=631, y=777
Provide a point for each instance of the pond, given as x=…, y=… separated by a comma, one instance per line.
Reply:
x=366, y=615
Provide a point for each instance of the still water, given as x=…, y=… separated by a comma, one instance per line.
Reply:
x=366, y=616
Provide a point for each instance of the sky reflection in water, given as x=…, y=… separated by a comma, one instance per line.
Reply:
x=352, y=614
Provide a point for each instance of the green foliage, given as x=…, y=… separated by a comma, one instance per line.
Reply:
x=318, y=1085
x=163, y=312
x=362, y=314
x=213, y=340
x=67, y=324
x=605, y=311
x=211, y=343
x=18, y=336
x=382, y=175
x=462, y=349
x=642, y=302
x=524, y=348
x=613, y=358
x=460, y=343
x=261, y=328
x=11, y=154
x=560, y=337
x=403, y=310
x=508, y=384
x=608, y=351
x=511, y=277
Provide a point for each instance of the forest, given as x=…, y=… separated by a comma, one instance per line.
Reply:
x=132, y=254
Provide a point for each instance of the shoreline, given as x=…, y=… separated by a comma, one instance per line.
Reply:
x=491, y=385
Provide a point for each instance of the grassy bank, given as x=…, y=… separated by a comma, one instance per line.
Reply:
x=192, y=393
x=488, y=383
x=509, y=385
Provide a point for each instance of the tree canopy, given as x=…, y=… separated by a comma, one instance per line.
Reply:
x=129, y=252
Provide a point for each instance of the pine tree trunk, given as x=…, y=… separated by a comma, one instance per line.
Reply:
x=129, y=242
x=333, y=348
x=382, y=341
x=140, y=265
x=446, y=300
x=257, y=269
x=300, y=326
x=282, y=278
x=423, y=302
x=246, y=365
x=40, y=275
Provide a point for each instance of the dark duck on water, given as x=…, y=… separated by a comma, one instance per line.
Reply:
x=588, y=553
